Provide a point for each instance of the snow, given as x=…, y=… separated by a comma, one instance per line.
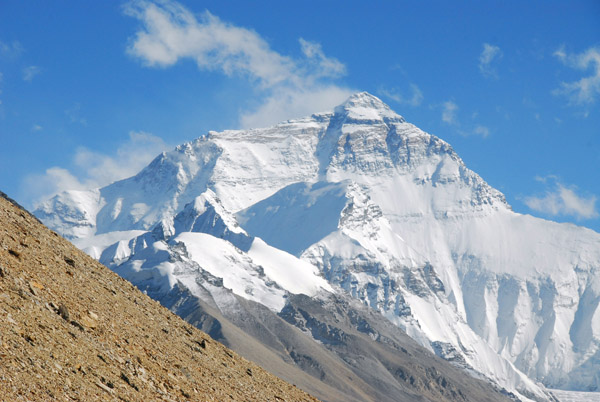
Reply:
x=575, y=396
x=117, y=209
x=364, y=106
x=294, y=275
x=374, y=207
x=77, y=213
x=239, y=273
x=95, y=245
x=296, y=216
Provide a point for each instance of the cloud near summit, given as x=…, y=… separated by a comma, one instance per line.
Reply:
x=93, y=169
x=562, y=200
x=170, y=33
x=585, y=90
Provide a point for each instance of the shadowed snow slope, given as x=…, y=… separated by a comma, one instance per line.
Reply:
x=359, y=202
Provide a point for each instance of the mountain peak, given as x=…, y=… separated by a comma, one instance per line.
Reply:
x=363, y=106
x=422, y=240
x=365, y=98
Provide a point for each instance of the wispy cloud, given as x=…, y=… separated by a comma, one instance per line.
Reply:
x=74, y=114
x=562, y=200
x=449, y=110
x=93, y=169
x=450, y=117
x=319, y=64
x=11, y=50
x=584, y=91
x=414, y=99
x=8, y=52
x=489, y=55
x=30, y=72
x=171, y=33
x=481, y=131
x=36, y=127
x=283, y=104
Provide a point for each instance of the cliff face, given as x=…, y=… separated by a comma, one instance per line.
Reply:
x=70, y=329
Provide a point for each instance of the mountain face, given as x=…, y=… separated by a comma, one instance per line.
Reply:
x=355, y=203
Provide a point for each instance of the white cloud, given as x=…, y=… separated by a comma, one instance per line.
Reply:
x=11, y=50
x=488, y=56
x=284, y=104
x=478, y=130
x=562, y=200
x=481, y=131
x=449, y=110
x=36, y=127
x=171, y=33
x=320, y=65
x=450, y=117
x=92, y=169
x=587, y=88
x=30, y=72
x=37, y=187
x=560, y=53
x=415, y=99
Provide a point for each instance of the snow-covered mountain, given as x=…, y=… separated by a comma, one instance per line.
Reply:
x=357, y=202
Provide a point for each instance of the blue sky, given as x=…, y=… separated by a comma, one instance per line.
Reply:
x=90, y=91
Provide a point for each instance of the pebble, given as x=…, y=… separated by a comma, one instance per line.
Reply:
x=64, y=312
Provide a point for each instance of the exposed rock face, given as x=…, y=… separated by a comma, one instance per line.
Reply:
x=70, y=329
x=385, y=358
x=356, y=356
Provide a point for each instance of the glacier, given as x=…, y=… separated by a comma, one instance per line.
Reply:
x=357, y=201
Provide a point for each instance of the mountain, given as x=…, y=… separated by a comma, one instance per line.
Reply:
x=355, y=204
x=70, y=329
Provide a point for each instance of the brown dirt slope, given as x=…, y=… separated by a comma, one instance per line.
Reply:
x=70, y=329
